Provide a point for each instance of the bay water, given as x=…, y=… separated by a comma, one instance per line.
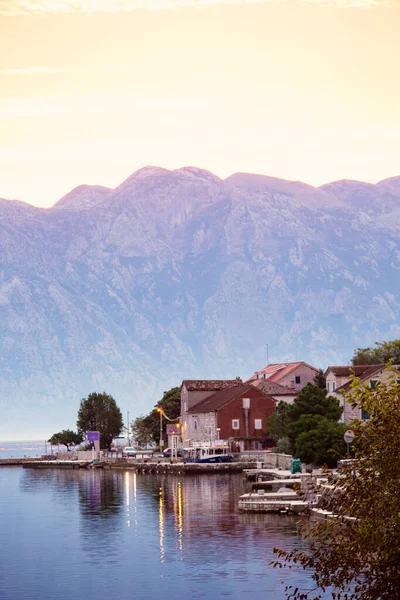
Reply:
x=119, y=535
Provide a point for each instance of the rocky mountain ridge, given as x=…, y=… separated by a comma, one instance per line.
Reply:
x=180, y=274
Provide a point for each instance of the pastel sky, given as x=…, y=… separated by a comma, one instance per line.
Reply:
x=92, y=90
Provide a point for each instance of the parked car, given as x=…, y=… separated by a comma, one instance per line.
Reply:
x=129, y=451
x=167, y=453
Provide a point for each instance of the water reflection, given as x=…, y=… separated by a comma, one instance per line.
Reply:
x=121, y=534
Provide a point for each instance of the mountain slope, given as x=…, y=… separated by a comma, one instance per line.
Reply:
x=179, y=274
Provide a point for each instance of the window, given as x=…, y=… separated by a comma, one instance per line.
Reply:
x=257, y=423
x=372, y=384
x=327, y=386
x=265, y=377
x=333, y=386
x=364, y=415
x=297, y=379
x=235, y=423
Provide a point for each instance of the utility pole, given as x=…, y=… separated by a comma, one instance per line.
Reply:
x=129, y=441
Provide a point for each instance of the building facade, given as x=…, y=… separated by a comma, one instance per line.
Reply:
x=240, y=412
x=291, y=375
x=339, y=381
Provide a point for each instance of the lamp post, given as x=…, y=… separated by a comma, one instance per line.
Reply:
x=159, y=410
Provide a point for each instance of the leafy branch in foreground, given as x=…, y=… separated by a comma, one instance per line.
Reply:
x=357, y=553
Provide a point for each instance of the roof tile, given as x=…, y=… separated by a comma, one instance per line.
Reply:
x=206, y=385
x=222, y=397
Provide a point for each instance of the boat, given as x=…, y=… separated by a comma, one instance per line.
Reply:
x=209, y=452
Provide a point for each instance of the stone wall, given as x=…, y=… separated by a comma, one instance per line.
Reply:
x=269, y=460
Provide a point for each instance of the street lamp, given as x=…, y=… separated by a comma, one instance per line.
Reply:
x=160, y=410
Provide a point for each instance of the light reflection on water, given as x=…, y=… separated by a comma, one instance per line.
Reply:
x=117, y=534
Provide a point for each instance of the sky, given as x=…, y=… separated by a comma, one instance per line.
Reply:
x=92, y=90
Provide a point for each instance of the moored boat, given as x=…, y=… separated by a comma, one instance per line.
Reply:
x=210, y=452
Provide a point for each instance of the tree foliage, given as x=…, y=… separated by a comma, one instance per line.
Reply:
x=383, y=353
x=146, y=429
x=318, y=440
x=278, y=423
x=313, y=400
x=310, y=424
x=67, y=438
x=99, y=412
x=320, y=379
x=357, y=553
x=142, y=431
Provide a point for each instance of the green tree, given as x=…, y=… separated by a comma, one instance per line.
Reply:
x=99, y=412
x=67, y=438
x=313, y=400
x=383, y=353
x=279, y=421
x=358, y=552
x=148, y=427
x=312, y=428
x=142, y=431
x=320, y=379
x=318, y=440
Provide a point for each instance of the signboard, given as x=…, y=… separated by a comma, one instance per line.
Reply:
x=93, y=436
x=348, y=436
x=173, y=430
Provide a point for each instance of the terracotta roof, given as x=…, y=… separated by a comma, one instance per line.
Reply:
x=219, y=399
x=272, y=388
x=346, y=371
x=367, y=373
x=276, y=372
x=206, y=385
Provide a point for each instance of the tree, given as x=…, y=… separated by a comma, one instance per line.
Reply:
x=312, y=400
x=312, y=426
x=142, y=431
x=67, y=438
x=279, y=421
x=358, y=552
x=320, y=379
x=148, y=427
x=319, y=440
x=382, y=354
x=311, y=419
x=99, y=412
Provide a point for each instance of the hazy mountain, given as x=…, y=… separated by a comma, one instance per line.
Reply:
x=179, y=274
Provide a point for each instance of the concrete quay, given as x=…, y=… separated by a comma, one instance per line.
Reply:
x=18, y=462
x=139, y=466
x=177, y=468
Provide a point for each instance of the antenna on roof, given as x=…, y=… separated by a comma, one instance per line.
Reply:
x=267, y=355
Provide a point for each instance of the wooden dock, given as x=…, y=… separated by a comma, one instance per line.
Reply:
x=285, y=502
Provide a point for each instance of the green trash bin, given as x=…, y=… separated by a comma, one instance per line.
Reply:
x=296, y=465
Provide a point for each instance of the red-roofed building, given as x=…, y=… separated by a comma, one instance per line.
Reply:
x=194, y=391
x=292, y=375
x=234, y=411
x=279, y=392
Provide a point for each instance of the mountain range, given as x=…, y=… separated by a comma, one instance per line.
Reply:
x=180, y=274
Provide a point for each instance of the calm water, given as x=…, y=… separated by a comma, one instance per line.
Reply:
x=21, y=449
x=122, y=536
